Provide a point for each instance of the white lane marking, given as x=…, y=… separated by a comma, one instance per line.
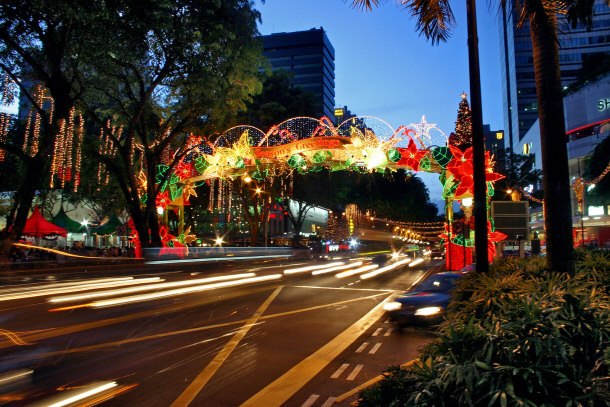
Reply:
x=387, y=321
x=355, y=372
x=375, y=348
x=329, y=402
x=361, y=348
x=312, y=399
x=389, y=331
x=377, y=331
x=339, y=371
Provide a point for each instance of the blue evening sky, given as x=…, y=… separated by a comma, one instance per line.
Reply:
x=383, y=68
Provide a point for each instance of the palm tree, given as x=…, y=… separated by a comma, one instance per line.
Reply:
x=435, y=20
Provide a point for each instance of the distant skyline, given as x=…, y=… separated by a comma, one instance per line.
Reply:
x=383, y=68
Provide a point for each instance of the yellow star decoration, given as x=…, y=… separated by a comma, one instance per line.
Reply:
x=368, y=148
x=188, y=191
x=188, y=237
x=224, y=156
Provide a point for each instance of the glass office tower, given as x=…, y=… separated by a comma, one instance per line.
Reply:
x=310, y=59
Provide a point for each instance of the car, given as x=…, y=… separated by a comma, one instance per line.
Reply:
x=426, y=303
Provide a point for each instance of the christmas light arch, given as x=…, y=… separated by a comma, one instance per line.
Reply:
x=303, y=144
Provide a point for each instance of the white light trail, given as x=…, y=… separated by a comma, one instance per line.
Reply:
x=33, y=287
x=331, y=269
x=416, y=262
x=81, y=395
x=359, y=270
x=81, y=287
x=309, y=268
x=228, y=257
x=385, y=268
x=180, y=291
x=110, y=293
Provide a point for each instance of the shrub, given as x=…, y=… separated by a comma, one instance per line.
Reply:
x=518, y=336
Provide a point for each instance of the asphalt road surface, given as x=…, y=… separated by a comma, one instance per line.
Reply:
x=266, y=333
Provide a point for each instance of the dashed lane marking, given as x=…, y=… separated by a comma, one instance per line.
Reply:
x=312, y=399
x=375, y=348
x=377, y=331
x=388, y=332
x=355, y=372
x=339, y=371
x=329, y=402
x=362, y=347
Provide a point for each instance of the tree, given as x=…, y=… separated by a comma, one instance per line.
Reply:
x=462, y=137
x=435, y=21
x=519, y=174
x=197, y=65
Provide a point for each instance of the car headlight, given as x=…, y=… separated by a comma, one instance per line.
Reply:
x=428, y=311
x=392, y=306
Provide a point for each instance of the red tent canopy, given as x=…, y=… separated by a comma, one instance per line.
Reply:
x=38, y=226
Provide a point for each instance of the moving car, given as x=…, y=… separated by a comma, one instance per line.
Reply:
x=426, y=302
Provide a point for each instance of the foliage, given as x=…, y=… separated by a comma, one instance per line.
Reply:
x=519, y=174
x=518, y=336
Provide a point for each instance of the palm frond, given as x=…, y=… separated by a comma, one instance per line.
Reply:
x=365, y=4
x=434, y=18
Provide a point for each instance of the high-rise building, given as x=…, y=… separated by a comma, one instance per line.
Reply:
x=309, y=57
x=519, y=85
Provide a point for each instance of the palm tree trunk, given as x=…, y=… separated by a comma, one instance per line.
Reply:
x=555, y=177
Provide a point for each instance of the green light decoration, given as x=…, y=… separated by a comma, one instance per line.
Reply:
x=319, y=157
x=161, y=170
x=490, y=189
x=442, y=155
x=144, y=199
x=316, y=168
x=201, y=164
x=394, y=155
x=175, y=191
x=296, y=161
x=425, y=163
x=449, y=187
x=260, y=174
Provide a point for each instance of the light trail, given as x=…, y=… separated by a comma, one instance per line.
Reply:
x=32, y=287
x=315, y=267
x=80, y=395
x=110, y=293
x=181, y=291
x=359, y=270
x=336, y=268
x=48, y=249
x=81, y=287
x=385, y=268
x=416, y=262
x=216, y=259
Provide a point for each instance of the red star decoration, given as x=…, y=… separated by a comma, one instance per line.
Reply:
x=183, y=170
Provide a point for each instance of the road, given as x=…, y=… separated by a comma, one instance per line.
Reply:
x=257, y=333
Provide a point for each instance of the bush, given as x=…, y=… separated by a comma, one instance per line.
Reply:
x=518, y=336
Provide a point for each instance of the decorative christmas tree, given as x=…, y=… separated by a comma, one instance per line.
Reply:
x=337, y=228
x=462, y=138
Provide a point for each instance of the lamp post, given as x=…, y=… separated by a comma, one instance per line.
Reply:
x=478, y=143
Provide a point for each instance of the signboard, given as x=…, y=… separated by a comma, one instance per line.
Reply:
x=511, y=218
